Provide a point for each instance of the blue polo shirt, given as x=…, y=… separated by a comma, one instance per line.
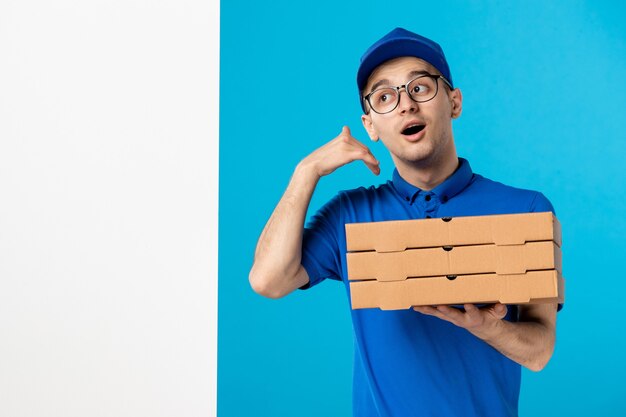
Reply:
x=407, y=364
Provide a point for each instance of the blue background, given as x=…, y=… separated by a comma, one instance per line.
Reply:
x=544, y=102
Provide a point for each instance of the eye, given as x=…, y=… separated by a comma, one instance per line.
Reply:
x=383, y=96
x=419, y=88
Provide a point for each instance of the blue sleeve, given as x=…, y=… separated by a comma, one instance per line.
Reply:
x=320, y=244
x=540, y=204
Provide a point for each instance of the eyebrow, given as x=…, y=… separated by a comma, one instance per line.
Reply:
x=410, y=75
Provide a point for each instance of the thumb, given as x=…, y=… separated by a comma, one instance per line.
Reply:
x=346, y=130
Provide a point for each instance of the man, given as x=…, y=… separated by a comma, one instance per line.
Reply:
x=434, y=361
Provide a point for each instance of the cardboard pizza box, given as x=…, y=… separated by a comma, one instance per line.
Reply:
x=531, y=287
x=453, y=260
x=512, y=258
x=498, y=229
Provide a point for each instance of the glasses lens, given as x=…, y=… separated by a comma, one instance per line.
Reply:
x=384, y=100
x=423, y=88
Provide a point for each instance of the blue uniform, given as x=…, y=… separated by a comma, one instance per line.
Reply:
x=407, y=364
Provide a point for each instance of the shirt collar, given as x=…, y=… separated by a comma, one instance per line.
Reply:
x=453, y=185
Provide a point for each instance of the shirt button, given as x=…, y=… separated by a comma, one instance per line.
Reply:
x=407, y=198
x=444, y=198
x=427, y=216
x=427, y=198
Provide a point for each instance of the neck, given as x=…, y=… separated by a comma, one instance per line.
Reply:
x=427, y=174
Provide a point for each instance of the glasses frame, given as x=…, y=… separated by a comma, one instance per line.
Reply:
x=406, y=88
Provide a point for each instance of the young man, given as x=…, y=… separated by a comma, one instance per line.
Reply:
x=427, y=361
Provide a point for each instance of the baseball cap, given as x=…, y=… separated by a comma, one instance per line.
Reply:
x=401, y=42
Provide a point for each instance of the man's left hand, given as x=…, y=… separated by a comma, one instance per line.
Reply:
x=481, y=322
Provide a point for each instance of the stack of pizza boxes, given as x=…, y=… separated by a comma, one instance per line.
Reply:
x=511, y=259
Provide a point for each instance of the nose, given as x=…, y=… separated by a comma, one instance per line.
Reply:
x=406, y=103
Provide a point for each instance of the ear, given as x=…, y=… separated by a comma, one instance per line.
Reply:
x=366, y=119
x=456, y=101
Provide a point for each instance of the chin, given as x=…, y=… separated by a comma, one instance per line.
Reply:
x=419, y=155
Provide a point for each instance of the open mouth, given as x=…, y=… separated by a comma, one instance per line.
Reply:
x=411, y=130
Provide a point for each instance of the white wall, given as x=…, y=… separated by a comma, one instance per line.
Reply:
x=108, y=207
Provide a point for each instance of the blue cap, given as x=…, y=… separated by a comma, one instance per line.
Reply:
x=400, y=42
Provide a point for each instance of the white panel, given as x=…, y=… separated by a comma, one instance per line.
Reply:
x=108, y=207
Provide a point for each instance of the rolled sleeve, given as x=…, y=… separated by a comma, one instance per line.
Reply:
x=320, y=244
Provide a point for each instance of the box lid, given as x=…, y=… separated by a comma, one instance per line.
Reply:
x=532, y=287
x=459, y=260
x=500, y=229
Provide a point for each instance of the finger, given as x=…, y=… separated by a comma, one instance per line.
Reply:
x=500, y=310
x=429, y=310
x=451, y=313
x=354, y=141
x=372, y=163
x=471, y=309
x=361, y=145
x=346, y=134
x=366, y=156
x=434, y=311
x=341, y=151
x=374, y=168
x=346, y=137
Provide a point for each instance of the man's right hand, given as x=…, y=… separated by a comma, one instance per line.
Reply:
x=338, y=152
x=277, y=268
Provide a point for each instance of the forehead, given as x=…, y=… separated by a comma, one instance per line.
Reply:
x=396, y=70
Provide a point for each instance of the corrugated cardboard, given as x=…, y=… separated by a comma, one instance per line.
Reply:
x=532, y=287
x=500, y=229
x=512, y=258
x=477, y=259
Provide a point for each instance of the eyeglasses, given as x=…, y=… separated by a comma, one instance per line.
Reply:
x=421, y=89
